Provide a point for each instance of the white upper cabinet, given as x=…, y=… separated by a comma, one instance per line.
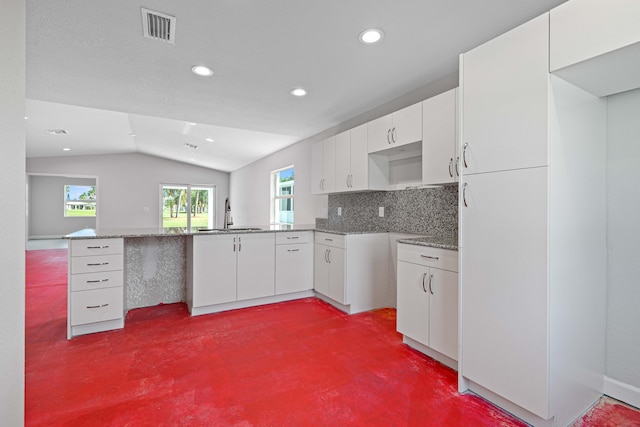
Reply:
x=439, y=138
x=505, y=93
x=352, y=164
x=595, y=44
x=323, y=166
x=399, y=128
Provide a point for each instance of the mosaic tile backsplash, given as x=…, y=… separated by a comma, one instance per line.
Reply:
x=430, y=211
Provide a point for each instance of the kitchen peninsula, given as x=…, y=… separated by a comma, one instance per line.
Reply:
x=116, y=270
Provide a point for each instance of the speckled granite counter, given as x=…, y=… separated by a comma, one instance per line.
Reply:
x=450, y=243
x=90, y=233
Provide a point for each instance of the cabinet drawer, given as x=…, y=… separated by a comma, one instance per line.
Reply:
x=431, y=257
x=89, y=264
x=97, y=280
x=96, y=306
x=290, y=237
x=330, y=239
x=96, y=247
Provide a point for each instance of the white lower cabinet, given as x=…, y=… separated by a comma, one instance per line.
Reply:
x=428, y=298
x=294, y=262
x=351, y=272
x=229, y=267
x=96, y=286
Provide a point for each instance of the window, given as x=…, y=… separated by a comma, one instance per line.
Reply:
x=186, y=206
x=79, y=200
x=282, y=196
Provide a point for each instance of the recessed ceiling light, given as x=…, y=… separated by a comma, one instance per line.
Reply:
x=298, y=92
x=66, y=149
x=202, y=70
x=193, y=160
x=26, y=118
x=210, y=140
x=193, y=124
x=372, y=35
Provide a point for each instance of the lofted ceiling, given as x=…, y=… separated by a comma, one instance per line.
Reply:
x=91, y=72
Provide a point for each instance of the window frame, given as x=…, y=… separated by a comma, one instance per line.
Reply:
x=93, y=201
x=212, y=208
x=276, y=198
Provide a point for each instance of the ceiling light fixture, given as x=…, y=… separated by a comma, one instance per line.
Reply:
x=193, y=124
x=202, y=70
x=298, y=92
x=66, y=149
x=56, y=131
x=210, y=140
x=370, y=36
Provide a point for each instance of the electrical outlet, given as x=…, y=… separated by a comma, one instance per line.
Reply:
x=381, y=211
x=339, y=211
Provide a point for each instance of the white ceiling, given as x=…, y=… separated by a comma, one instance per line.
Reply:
x=91, y=72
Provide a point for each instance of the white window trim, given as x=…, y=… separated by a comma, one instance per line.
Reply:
x=275, y=197
x=213, y=204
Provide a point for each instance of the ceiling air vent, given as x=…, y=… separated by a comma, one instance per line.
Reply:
x=158, y=25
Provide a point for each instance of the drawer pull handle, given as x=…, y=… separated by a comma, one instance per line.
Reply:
x=98, y=247
x=329, y=240
x=97, y=306
x=295, y=237
x=430, y=257
x=293, y=250
x=98, y=281
x=95, y=264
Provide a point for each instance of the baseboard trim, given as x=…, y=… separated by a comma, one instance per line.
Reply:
x=623, y=392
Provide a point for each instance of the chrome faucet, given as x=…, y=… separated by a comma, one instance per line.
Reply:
x=227, y=214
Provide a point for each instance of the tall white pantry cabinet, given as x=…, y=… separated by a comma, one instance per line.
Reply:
x=532, y=231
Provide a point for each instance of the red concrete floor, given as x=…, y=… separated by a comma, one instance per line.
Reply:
x=299, y=363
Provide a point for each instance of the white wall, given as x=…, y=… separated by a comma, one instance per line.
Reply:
x=249, y=189
x=623, y=229
x=12, y=214
x=129, y=183
x=46, y=207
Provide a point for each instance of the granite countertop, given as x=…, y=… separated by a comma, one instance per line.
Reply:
x=450, y=243
x=90, y=233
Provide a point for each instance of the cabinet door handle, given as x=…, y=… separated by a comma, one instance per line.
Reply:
x=424, y=277
x=464, y=195
x=293, y=238
x=458, y=166
x=393, y=135
x=329, y=255
x=435, y=258
x=464, y=154
x=388, y=136
x=95, y=264
x=98, y=247
x=430, y=279
x=234, y=244
x=326, y=255
x=450, y=167
x=293, y=250
x=239, y=244
x=97, y=306
x=98, y=281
